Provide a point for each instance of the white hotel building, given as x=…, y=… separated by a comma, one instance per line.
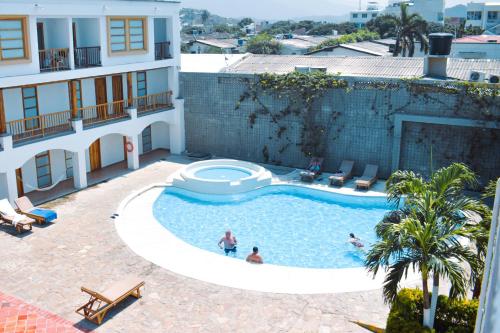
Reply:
x=85, y=85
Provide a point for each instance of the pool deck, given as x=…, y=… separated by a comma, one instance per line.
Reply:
x=47, y=267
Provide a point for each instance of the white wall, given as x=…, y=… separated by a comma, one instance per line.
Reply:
x=56, y=33
x=157, y=81
x=160, y=135
x=87, y=32
x=53, y=98
x=111, y=149
x=475, y=50
x=88, y=92
x=160, y=30
x=13, y=104
x=57, y=169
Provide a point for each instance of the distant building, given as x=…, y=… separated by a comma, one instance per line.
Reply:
x=200, y=46
x=360, y=49
x=299, y=45
x=484, y=15
x=430, y=10
x=476, y=47
x=360, y=17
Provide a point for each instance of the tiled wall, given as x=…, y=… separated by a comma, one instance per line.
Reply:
x=363, y=132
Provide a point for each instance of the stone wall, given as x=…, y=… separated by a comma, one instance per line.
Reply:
x=364, y=131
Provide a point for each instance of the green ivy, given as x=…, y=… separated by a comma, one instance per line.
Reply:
x=300, y=91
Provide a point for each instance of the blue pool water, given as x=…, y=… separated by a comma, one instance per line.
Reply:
x=292, y=226
x=222, y=173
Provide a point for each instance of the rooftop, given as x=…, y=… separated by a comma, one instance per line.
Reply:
x=368, y=47
x=489, y=39
x=385, y=67
x=220, y=43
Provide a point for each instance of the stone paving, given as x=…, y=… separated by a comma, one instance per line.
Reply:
x=47, y=267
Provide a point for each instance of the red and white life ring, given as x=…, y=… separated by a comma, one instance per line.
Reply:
x=130, y=146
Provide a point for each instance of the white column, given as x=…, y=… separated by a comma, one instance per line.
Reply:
x=6, y=142
x=9, y=180
x=69, y=22
x=176, y=129
x=79, y=170
x=133, y=152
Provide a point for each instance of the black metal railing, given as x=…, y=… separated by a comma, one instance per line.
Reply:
x=53, y=60
x=162, y=51
x=87, y=57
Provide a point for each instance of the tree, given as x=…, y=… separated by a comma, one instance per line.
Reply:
x=263, y=44
x=409, y=28
x=384, y=25
x=244, y=22
x=424, y=233
x=205, y=15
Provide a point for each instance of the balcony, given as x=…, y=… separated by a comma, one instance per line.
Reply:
x=162, y=51
x=53, y=60
x=154, y=102
x=40, y=126
x=86, y=57
x=100, y=114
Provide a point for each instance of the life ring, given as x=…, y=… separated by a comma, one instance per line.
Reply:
x=130, y=146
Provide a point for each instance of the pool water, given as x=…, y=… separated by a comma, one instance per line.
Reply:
x=292, y=226
x=222, y=173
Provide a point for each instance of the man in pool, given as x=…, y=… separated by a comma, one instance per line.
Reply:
x=229, y=242
x=355, y=241
x=254, y=257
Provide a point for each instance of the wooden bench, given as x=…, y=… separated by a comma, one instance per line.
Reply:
x=101, y=302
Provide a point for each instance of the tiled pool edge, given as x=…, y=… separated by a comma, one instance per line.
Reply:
x=156, y=244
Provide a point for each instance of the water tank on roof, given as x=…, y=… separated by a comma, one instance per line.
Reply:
x=440, y=44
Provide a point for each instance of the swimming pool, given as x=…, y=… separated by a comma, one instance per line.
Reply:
x=222, y=173
x=292, y=226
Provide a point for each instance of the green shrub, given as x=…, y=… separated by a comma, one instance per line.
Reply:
x=452, y=316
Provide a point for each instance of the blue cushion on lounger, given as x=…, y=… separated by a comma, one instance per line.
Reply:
x=47, y=214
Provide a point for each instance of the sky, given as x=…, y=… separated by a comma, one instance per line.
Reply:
x=283, y=9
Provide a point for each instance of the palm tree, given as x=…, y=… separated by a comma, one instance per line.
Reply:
x=424, y=234
x=409, y=29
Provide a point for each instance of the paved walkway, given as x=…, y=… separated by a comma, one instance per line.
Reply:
x=47, y=267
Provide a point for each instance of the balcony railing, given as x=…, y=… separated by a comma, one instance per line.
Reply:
x=102, y=113
x=87, y=57
x=39, y=126
x=53, y=60
x=162, y=51
x=153, y=102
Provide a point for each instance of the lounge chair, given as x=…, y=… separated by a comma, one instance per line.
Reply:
x=345, y=173
x=368, y=178
x=100, y=303
x=40, y=215
x=9, y=216
x=313, y=170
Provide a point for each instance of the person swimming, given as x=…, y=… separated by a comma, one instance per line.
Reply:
x=229, y=242
x=254, y=257
x=355, y=241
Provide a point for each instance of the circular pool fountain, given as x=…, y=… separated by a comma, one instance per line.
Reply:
x=223, y=176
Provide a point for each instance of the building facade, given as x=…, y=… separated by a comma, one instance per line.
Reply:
x=83, y=86
x=360, y=17
x=485, y=16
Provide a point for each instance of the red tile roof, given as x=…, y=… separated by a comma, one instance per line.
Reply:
x=478, y=39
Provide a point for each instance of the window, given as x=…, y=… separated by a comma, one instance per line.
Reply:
x=474, y=16
x=30, y=106
x=147, y=145
x=141, y=84
x=492, y=15
x=68, y=159
x=364, y=15
x=354, y=15
x=13, y=39
x=43, y=174
x=127, y=34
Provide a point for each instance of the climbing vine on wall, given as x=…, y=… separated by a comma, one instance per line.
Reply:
x=298, y=92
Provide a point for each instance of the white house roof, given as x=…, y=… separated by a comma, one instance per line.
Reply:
x=219, y=43
x=387, y=67
x=367, y=47
x=208, y=63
